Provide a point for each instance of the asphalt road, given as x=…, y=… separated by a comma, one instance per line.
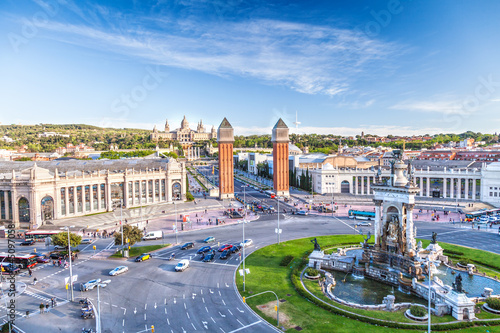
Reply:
x=202, y=298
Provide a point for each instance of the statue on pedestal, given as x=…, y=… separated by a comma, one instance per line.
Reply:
x=457, y=285
x=434, y=236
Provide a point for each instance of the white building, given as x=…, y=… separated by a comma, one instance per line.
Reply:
x=490, y=183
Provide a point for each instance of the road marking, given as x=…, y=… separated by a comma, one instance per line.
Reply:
x=145, y=306
x=183, y=331
x=205, y=324
x=210, y=291
x=227, y=286
x=223, y=302
x=185, y=306
x=240, y=322
x=183, y=296
x=135, y=310
x=223, y=316
x=168, y=322
x=165, y=301
x=222, y=330
x=217, y=284
x=187, y=313
x=194, y=327
x=203, y=299
x=194, y=295
x=165, y=310
x=212, y=319
x=124, y=311
x=242, y=328
x=240, y=310
x=230, y=312
x=115, y=306
x=175, y=300
x=202, y=291
x=155, y=305
x=123, y=322
x=206, y=309
x=220, y=294
x=145, y=317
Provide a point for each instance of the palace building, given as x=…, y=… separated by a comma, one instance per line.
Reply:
x=32, y=194
x=184, y=134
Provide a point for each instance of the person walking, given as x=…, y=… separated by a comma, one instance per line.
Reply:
x=35, y=281
x=47, y=307
x=42, y=308
x=53, y=302
x=30, y=272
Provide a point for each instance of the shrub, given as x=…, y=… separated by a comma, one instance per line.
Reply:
x=311, y=271
x=417, y=311
x=286, y=260
x=493, y=303
x=457, y=253
x=464, y=261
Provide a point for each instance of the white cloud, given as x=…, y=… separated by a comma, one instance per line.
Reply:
x=307, y=58
x=371, y=129
x=442, y=106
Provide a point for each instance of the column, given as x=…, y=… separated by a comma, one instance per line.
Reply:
x=159, y=190
x=368, y=189
x=459, y=188
x=83, y=198
x=147, y=190
x=133, y=193
x=452, y=188
x=126, y=191
x=107, y=194
x=362, y=185
x=99, y=197
x=66, y=200
x=75, y=201
x=474, y=189
x=356, y=185
x=6, y=202
x=445, y=184
x=378, y=223
x=410, y=237
x=421, y=186
x=428, y=186
x=91, y=197
x=466, y=180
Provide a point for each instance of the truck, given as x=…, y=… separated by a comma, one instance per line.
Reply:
x=153, y=235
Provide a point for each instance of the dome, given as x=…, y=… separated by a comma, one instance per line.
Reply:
x=184, y=123
x=327, y=166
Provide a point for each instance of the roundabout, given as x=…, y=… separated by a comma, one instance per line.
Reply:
x=306, y=307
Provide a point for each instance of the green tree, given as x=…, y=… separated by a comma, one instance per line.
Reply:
x=61, y=239
x=133, y=234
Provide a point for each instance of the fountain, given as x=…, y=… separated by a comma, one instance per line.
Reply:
x=395, y=264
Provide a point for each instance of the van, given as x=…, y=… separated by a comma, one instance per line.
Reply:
x=182, y=265
x=153, y=235
x=9, y=268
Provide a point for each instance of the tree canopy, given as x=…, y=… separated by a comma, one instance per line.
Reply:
x=61, y=239
x=133, y=234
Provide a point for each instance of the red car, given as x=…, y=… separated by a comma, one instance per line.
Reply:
x=225, y=247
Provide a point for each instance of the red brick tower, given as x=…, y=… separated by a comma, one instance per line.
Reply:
x=225, y=139
x=280, y=158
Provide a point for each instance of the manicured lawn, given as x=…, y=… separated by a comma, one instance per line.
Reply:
x=267, y=274
x=135, y=251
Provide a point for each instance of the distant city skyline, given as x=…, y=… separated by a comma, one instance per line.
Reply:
x=382, y=67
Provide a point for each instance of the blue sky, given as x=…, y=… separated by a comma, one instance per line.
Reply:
x=382, y=67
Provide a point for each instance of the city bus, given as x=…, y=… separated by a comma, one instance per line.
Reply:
x=473, y=216
x=361, y=215
x=40, y=235
x=20, y=260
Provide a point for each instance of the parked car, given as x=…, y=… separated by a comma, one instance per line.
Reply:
x=90, y=285
x=209, y=239
x=188, y=245
x=246, y=243
x=209, y=257
x=28, y=242
x=302, y=212
x=182, y=265
x=86, y=241
x=142, y=257
x=204, y=249
x=363, y=224
x=118, y=270
x=224, y=247
x=225, y=254
x=236, y=248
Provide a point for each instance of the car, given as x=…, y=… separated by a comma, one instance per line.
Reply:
x=302, y=212
x=142, y=257
x=41, y=258
x=204, y=249
x=188, y=245
x=209, y=239
x=87, y=241
x=235, y=248
x=118, y=270
x=209, y=257
x=225, y=254
x=224, y=247
x=56, y=256
x=90, y=285
x=246, y=243
x=28, y=242
x=60, y=247
x=182, y=265
x=363, y=224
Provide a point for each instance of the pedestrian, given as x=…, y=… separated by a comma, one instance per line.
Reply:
x=35, y=281
x=30, y=272
x=42, y=307
x=47, y=306
x=54, y=263
x=27, y=313
x=76, y=255
x=53, y=302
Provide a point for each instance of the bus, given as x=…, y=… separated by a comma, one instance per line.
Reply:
x=40, y=235
x=361, y=215
x=20, y=260
x=473, y=216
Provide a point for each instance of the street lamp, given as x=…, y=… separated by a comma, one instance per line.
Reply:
x=70, y=264
x=175, y=212
x=429, y=306
x=278, y=231
x=244, y=221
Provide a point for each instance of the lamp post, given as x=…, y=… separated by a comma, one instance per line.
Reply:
x=277, y=304
x=332, y=201
x=429, y=305
x=278, y=231
x=70, y=265
x=244, y=221
x=175, y=211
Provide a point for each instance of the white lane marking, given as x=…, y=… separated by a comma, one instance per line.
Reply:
x=203, y=299
x=219, y=293
x=212, y=319
x=114, y=305
x=144, y=316
x=223, y=302
x=222, y=330
x=206, y=309
x=222, y=315
x=194, y=327
x=135, y=310
x=155, y=305
x=124, y=311
x=123, y=322
x=175, y=300
x=145, y=306
x=202, y=291
x=165, y=301
x=217, y=284
x=210, y=291
x=242, y=328
x=230, y=312
x=240, y=310
x=240, y=322
x=168, y=322
x=187, y=313
x=227, y=286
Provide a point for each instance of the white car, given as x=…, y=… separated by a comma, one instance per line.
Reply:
x=91, y=284
x=363, y=224
x=246, y=242
x=302, y=212
x=182, y=265
x=118, y=270
x=86, y=241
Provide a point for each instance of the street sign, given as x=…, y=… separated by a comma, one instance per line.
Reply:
x=276, y=230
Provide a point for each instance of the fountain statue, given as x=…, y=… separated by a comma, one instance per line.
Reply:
x=457, y=285
x=434, y=236
x=368, y=236
x=316, y=245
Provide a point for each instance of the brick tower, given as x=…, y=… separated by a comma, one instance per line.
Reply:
x=280, y=158
x=225, y=139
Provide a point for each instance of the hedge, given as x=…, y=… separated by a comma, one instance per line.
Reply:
x=286, y=260
x=493, y=303
x=417, y=311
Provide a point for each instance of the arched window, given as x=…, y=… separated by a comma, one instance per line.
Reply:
x=176, y=191
x=24, y=210
x=47, y=208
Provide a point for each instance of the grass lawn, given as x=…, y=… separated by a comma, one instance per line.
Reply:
x=135, y=251
x=267, y=274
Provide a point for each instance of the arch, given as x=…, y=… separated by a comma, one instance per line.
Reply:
x=23, y=209
x=47, y=205
x=466, y=314
x=176, y=191
x=344, y=187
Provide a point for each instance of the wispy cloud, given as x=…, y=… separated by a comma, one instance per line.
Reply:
x=437, y=106
x=346, y=131
x=308, y=58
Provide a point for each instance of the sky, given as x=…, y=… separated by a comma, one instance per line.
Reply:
x=343, y=67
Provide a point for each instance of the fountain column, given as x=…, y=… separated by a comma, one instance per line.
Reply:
x=378, y=222
x=410, y=237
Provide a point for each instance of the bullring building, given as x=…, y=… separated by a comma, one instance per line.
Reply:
x=34, y=193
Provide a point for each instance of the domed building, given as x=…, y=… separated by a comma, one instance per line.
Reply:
x=185, y=135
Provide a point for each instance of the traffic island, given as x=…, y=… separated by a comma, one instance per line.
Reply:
x=306, y=305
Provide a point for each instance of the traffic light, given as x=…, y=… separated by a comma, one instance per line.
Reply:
x=275, y=308
x=3, y=270
x=34, y=250
x=153, y=328
x=127, y=241
x=94, y=247
x=243, y=296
